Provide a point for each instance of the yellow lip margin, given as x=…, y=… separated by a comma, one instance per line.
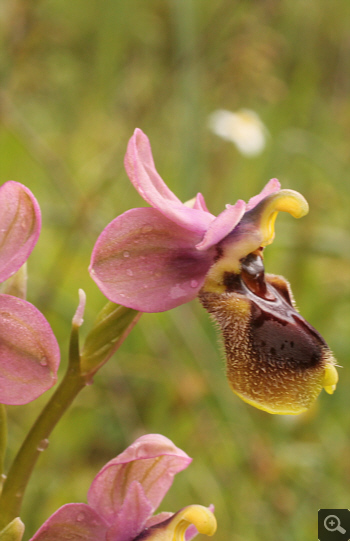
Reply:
x=268, y=409
x=330, y=379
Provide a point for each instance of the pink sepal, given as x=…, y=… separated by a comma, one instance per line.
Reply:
x=152, y=460
x=132, y=516
x=271, y=187
x=73, y=522
x=20, y=223
x=29, y=353
x=144, y=261
x=141, y=170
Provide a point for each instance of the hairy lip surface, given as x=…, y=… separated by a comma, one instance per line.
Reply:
x=275, y=359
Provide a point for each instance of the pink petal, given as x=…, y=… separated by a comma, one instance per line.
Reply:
x=20, y=223
x=140, y=168
x=132, y=516
x=271, y=187
x=199, y=203
x=144, y=261
x=157, y=519
x=222, y=225
x=29, y=353
x=152, y=460
x=73, y=522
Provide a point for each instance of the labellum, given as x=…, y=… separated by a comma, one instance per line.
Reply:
x=276, y=361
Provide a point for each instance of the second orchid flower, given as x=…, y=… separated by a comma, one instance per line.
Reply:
x=124, y=496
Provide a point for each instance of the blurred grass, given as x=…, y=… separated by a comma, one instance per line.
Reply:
x=76, y=79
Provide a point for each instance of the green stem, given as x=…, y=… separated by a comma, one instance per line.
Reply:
x=112, y=326
x=36, y=440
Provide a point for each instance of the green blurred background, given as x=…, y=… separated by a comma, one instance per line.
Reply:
x=76, y=78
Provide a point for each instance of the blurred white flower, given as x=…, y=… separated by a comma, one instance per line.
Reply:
x=243, y=128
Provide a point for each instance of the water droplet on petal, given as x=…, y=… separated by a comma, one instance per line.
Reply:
x=80, y=517
x=126, y=253
x=177, y=291
x=194, y=283
x=129, y=272
x=43, y=361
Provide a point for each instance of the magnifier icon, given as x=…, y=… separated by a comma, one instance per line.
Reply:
x=332, y=524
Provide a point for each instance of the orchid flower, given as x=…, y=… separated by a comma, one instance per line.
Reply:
x=29, y=354
x=154, y=259
x=123, y=497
